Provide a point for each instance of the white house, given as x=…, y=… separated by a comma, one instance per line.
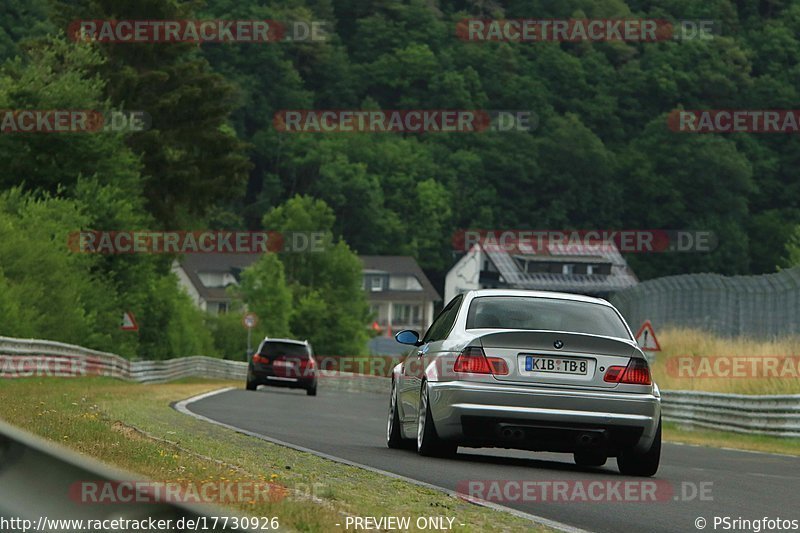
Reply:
x=399, y=294
x=596, y=270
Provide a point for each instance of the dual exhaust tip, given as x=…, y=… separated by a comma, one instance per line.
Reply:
x=584, y=439
x=512, y=433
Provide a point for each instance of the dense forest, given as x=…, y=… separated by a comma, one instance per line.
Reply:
x=601, y=154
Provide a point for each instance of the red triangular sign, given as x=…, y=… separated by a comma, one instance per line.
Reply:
x=646, y=338
x=129, y=322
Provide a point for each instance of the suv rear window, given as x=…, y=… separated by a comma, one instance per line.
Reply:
x=548, y=314
x=275, y=349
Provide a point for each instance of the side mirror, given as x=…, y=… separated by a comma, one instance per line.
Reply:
x=408, y=336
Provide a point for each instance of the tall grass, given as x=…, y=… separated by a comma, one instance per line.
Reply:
x=688, y=342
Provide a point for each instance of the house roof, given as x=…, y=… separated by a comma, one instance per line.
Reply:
x=399, y=265
x=621, y=276
x=192, y=264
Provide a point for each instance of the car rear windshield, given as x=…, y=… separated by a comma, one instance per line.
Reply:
x=275, y=349
x=521, y=312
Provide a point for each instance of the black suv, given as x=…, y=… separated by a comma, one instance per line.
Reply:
x=283, y=363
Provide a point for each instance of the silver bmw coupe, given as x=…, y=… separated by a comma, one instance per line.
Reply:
x=540, y=371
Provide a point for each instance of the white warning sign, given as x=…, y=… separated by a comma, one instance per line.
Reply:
x=646, y=338
x=128, y=322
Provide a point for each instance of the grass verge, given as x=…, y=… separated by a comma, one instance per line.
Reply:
x=674, y=432
x=132, y=426
x=686, y=342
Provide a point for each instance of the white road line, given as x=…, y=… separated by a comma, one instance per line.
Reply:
x=692, y=445
x=776, y=476
x=181, y=407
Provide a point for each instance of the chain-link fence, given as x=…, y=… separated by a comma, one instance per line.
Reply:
x=765, y=306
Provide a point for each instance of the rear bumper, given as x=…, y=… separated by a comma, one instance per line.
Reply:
x=304, y=381
x=488, y=414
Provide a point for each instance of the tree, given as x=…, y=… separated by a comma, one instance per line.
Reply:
x=265, y=292
x=328, y=303
x=59, y=184
x=191, y=156
x=20, y=21
x=792, y=258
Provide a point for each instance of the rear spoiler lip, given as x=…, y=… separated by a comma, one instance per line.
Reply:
x=635, y=350
x=499, y=331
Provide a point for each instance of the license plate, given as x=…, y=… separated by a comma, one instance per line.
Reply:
x=283, y=363
x=556, y=365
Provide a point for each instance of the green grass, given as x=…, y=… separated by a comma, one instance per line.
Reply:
x=132, y=426
x=687, y=342
x=674, y=432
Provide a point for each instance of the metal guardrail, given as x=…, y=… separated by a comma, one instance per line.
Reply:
x=29, y=357
x=38, y=481
x=20, y=358
x=764, y=415
x=777, y=415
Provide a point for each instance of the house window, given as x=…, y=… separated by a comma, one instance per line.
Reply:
x=222, y=308
x=590, y=269
x=567, y=269
x=376, y=284
x=404, y=283
x=212, y=279
x=406, y=314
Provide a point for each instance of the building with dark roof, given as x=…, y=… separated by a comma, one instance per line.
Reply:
x=400, y=295
x=590, y=269
x=205, y=277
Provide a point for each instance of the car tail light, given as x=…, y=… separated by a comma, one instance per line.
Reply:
x=474, y=361
x=258, y=358
x=637, y=373
x=613, y=374
x=499, y=366
x=307, y=364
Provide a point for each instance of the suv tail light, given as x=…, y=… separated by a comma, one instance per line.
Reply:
x=307, y=366
x=637, y=373
x=472, y=360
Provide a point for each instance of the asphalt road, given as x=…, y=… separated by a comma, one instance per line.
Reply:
x=352, y=425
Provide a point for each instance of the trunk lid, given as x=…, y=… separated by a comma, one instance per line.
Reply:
x=533, y=357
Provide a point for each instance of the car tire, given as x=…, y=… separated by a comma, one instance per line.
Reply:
x=590, y=458
x=251, y=385
x=643, y=464
x=428, y=441
x=311, y=391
